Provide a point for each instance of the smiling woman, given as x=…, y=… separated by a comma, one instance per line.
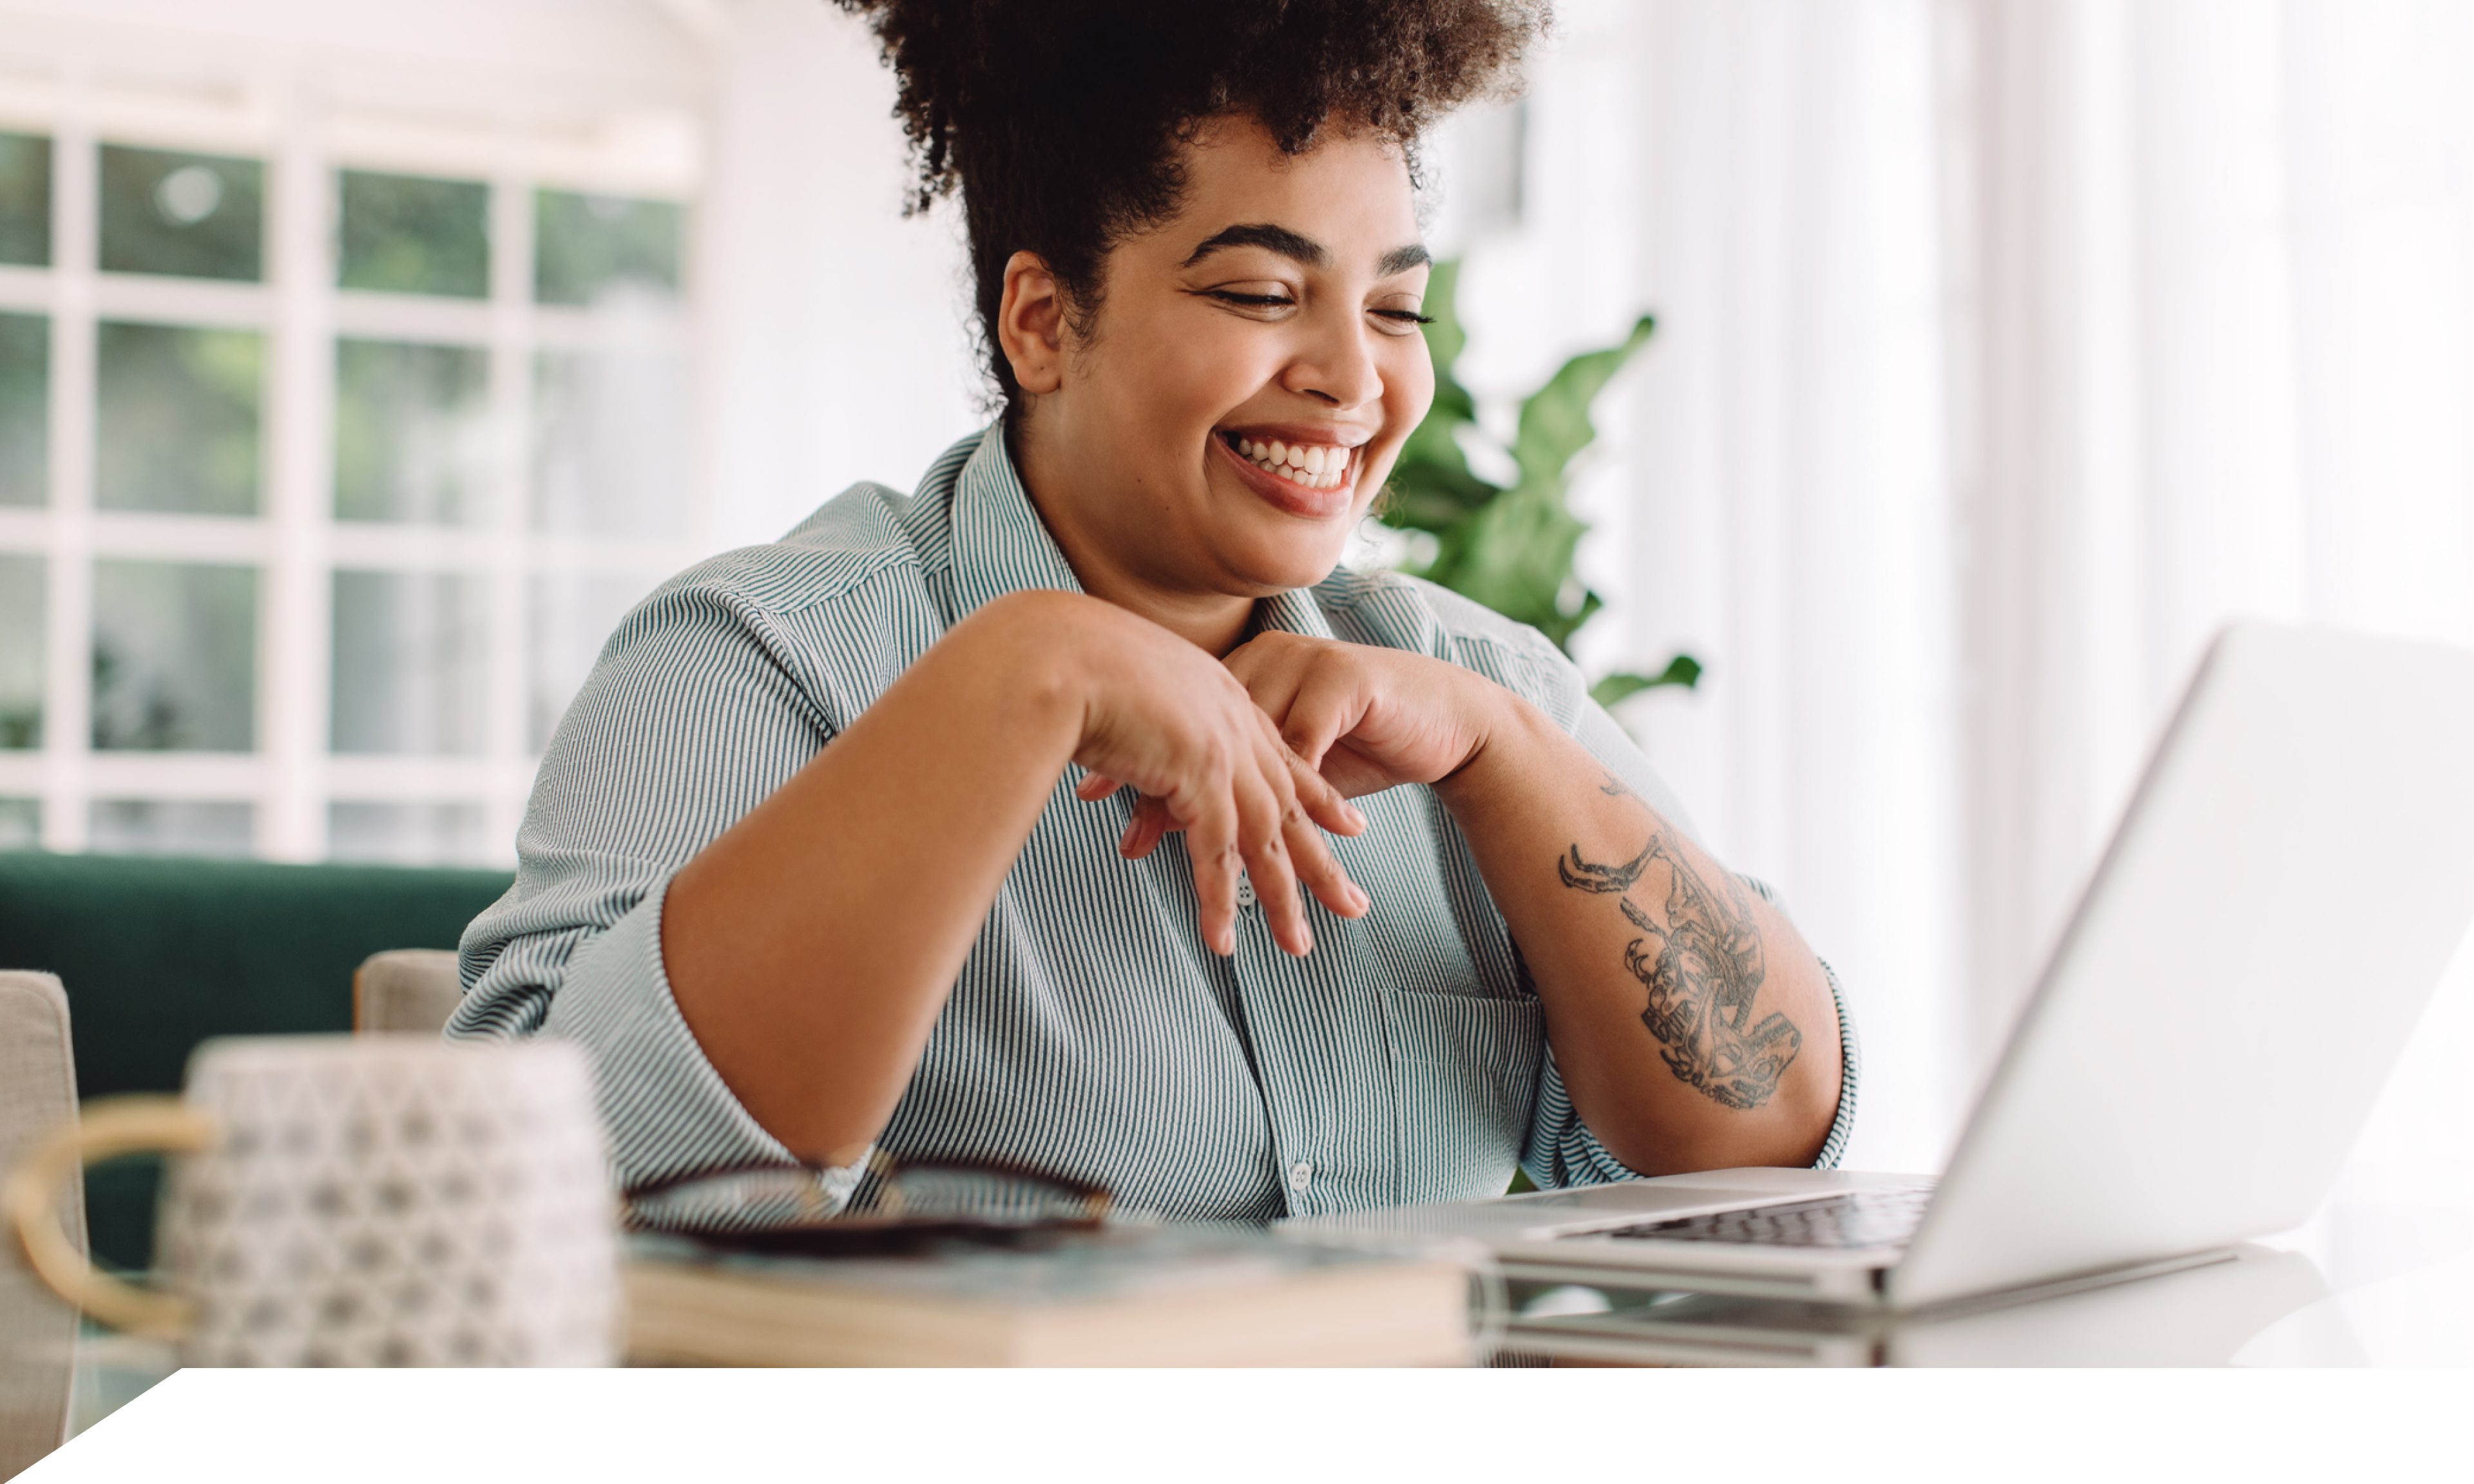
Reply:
x=1320, y=923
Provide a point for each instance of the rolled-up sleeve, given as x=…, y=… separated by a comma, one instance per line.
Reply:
x=690, y=719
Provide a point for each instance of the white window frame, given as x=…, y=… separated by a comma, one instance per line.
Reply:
x=308, y=119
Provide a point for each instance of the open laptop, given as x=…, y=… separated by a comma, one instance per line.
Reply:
x=2288, y=884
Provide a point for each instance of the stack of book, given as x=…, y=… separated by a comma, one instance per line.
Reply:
x=1118, y=1296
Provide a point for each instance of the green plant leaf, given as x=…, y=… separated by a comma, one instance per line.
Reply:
x=1434, y=505
x=1555, y=420
x=1516, y=556
x=1432, y=487
x=1683, y=670
x=1446, y=339
x=1509, y=549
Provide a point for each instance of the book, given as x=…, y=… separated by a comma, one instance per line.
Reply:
x=1115, y=1296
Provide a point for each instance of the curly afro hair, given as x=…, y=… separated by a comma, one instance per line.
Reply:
x=1061, y=121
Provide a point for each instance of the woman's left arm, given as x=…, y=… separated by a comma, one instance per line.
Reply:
x=1692, y=1026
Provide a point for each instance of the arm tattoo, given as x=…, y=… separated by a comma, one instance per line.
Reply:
x=1604, y=880
x=1702, y=977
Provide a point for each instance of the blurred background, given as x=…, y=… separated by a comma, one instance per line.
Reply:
x=362, y=363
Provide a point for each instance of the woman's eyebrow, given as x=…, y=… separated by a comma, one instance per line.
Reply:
x=1293, y=246
x=1301, y=248
x=1401, y=260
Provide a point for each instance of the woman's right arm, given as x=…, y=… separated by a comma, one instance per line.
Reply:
x=810, y=946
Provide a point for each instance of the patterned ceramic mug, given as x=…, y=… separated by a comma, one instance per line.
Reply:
x=370, y=1200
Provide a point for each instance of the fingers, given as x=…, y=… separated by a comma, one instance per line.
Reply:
x=1317, y=694
x=1211, y=840
x=1323, y=802
x=1318, y=869
x=1327, y=705
x=1209, y=760
x=1287, y=856
x=1267, y=870
x=1252, y=820
x=1271, y=674
x=1143, y=830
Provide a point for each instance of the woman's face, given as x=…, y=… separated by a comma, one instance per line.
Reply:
x=1272, y=325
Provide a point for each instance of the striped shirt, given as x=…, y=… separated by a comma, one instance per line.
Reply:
x=1091, y=1033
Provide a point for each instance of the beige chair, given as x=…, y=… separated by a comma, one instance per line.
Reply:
x=405, y=990
x=37, y=1331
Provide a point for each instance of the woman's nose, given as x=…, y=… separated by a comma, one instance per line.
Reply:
x=1336, y=366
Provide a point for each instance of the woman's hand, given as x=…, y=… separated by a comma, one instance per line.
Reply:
x=1163, y=717
x=1367, y=718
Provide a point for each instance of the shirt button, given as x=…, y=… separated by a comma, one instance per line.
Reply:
x=1245, y=892
x=1300, y=1176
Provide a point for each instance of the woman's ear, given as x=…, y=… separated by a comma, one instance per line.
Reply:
x=1031, y=324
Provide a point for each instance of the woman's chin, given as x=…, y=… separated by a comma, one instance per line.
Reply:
x=1278, y=565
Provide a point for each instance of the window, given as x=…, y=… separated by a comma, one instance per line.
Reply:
x=332, y=444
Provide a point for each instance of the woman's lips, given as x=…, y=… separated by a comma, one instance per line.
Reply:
x=1287, y=495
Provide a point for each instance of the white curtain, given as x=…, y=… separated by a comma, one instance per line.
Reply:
x=834, y=346
x=2007, y=348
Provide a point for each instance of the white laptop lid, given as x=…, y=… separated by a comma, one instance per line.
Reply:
x=2287, y=887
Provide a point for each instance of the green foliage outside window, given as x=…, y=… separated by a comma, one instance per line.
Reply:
x=408, y=235
x=25, y=199
x=176, y=418
x=194, y=216
x=585, y=246
x=1511, y=547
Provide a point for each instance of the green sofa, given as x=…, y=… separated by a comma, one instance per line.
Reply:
x=159, y=954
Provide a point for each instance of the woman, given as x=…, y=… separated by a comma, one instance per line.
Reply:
x=1349, y=897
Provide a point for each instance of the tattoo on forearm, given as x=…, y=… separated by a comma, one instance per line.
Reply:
x=1702, y=976
x=1604, y=880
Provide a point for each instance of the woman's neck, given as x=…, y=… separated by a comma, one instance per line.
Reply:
x=1214, y=622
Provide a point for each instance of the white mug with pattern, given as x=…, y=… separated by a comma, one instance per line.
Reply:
x=369, y=1199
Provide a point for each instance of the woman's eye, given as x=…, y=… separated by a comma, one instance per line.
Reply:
x=1253, y=300
x=1401, y=322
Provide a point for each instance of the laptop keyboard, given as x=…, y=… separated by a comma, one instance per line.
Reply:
x=1857, y=1218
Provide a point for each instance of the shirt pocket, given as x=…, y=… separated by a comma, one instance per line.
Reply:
x=1464, y=1071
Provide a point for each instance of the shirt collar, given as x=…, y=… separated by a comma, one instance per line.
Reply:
x=1294, y=612
x=1000, y=545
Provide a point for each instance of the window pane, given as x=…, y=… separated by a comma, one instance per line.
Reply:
x=609, y=442
x=200, y=216
x=406, y=834
x=403, y=234
x=176, y=419
x=175, y=656
x=412, y=432
x=409, y=659
x=150, y=827
x=25, y=408
x=25, y=199
x=21, y=824
x=589, y=248
x=21, y=651
x=571, y=617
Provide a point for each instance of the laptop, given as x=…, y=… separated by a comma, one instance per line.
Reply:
x=2290, y=882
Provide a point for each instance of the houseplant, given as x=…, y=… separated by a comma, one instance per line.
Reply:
x=1510, y=547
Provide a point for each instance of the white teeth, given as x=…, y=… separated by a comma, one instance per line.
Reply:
x=1318, y=466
